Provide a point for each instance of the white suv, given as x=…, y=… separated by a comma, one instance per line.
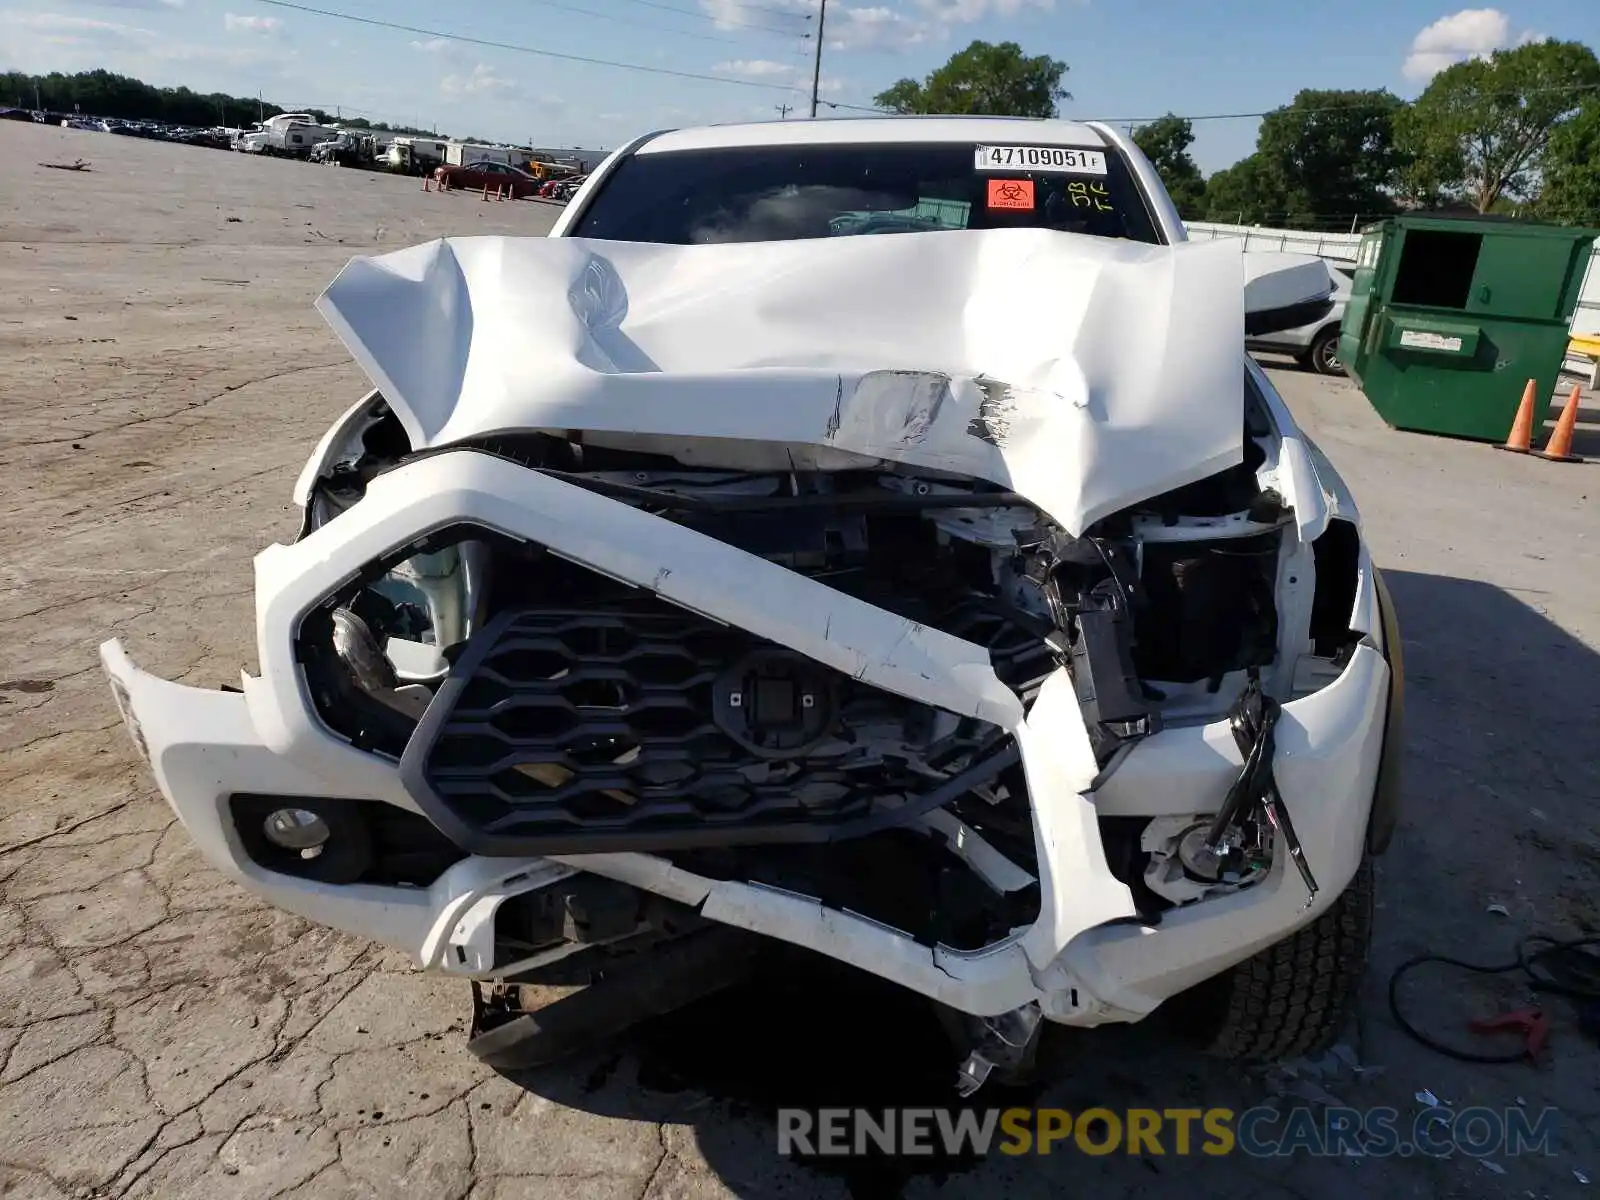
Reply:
x=964, y=605
x=1315, y=344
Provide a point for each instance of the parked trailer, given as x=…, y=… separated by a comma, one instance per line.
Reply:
x=459, y=154
x=292, y=134
x=414, y=155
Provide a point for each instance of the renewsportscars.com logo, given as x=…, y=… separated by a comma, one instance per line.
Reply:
x=1261, y=1132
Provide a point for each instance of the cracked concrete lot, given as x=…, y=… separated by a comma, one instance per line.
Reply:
x=162, y=379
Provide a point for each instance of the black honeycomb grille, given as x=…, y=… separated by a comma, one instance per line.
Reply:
x=573, y=730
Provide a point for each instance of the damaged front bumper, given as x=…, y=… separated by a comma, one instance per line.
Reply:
x=1090, y=956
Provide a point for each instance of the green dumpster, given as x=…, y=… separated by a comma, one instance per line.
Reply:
x=1449, y=317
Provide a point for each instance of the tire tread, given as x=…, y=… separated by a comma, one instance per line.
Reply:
x=1293, y=998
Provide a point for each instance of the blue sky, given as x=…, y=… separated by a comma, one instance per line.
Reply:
x=1127, y=60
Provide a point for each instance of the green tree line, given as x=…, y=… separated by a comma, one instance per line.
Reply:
x=104, y=94
x=1516, y=132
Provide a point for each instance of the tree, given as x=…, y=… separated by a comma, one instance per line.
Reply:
x=1572, y=169
x=984, y=79
x=102, y=94
x=1480, y=130
x=1332, y=154
x=1165, y=142
x=1246, y=193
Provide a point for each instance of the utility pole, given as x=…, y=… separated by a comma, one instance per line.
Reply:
x=783, y=111
x=816, y=71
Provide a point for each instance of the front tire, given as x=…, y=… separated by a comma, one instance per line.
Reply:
x=1293, y=998
x=1323, y=357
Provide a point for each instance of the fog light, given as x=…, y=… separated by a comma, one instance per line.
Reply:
x=296, y=829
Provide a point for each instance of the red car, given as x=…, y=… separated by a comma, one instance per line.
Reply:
x=562, y=189
x=475, y=176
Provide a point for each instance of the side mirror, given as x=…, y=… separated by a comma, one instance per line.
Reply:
x=1285, y=291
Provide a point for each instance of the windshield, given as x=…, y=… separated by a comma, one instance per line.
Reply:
x=787, y=193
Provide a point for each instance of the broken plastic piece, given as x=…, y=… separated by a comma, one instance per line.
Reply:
x=1006, y=1041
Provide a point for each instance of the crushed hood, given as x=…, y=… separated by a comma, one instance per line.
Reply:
x=1081, y=372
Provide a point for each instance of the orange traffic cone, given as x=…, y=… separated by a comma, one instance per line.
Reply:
x=486, y=190
x=1520, y=438
x=1559, y=447
x=499, y=192
x=427, y=184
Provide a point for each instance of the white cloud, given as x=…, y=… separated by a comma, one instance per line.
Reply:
x=63, y=42
x=964, y=12
x=867, y=27
x=226, y=56
x=1470, y=33
x=877, y=28
x=142, y=5
x=796, y=75
x=880, y=26
x=480, y=81
x=754, y=68
x=772, y=14
x=238, y=24
x=454, y=57
x=64, y=24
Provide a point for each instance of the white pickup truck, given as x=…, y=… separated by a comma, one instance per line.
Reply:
x=961, y=604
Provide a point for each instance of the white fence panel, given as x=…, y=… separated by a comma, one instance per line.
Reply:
x=1341, y=247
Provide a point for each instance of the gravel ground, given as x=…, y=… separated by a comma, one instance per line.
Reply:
x=162, y=379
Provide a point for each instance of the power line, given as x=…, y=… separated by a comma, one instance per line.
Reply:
x=796, y=69
x=512, y=46
x=724, y=22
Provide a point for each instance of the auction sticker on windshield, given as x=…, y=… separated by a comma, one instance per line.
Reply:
x=1065, y=160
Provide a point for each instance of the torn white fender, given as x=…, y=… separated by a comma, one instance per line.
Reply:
x=1082, y=372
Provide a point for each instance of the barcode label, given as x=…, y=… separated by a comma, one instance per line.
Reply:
x=1065, y=160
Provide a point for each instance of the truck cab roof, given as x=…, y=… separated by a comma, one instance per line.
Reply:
x=883, y=130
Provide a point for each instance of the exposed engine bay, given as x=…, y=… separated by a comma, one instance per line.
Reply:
x=577, y=713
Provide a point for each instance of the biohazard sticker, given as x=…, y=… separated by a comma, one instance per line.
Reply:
x=1011, y=193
